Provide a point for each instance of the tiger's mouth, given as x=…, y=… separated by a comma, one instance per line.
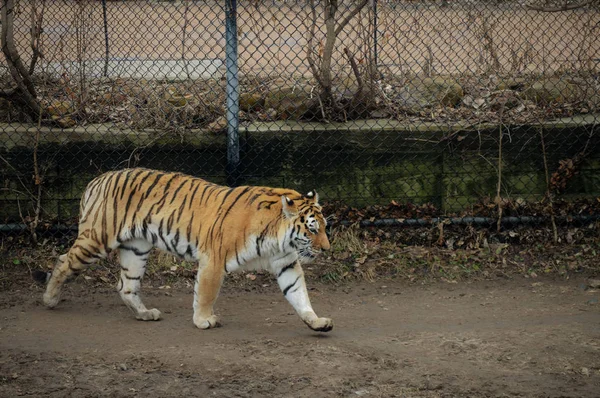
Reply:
x=308, y=254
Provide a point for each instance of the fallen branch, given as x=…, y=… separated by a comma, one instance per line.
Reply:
x=498, y=200
x=548, y=192
x=354, y=66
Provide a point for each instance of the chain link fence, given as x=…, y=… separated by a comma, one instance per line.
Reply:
x=397, y=112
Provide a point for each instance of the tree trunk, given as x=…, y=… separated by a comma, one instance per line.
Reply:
x=24, y=94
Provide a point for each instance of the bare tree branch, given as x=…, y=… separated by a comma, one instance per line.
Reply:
x=351, y=15
x=310, y=47
x=354, y=66
x=37, y=20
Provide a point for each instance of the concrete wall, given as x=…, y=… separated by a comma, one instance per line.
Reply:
x=366, y=162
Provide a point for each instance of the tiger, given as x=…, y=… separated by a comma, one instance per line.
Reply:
x=223, y=229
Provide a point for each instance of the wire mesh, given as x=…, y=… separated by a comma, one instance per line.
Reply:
x=427, y=109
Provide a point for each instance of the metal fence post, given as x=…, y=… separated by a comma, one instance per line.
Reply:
x=233, y=93
x=105, y=38
x=374, y=5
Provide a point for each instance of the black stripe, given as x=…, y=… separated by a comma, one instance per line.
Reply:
x=229, y=192
x=212, y=189
x=188, y=235
x=75, y=270
x=193, y=194
x=158, y=177
x=135, y=250
x=287, y=267
x=159, y=205
x=237, y=257
x=170, y=221
x=82, y=261
x=160, y=235
x=121, y=190
x=133, y=278
x=285, y=291
x=177, y=191
x=115, y=194
x=168, y=185
x=145, y=178
x=129, y=199
x=203, y=193
x=115, y=206
x=145, y=227
x=175, y=242
x=232, y=204
x=181, y=208
x=266, y=204
x=139, y=205
x=254, y=197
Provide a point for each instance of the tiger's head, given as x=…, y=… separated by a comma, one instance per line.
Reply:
x=306, y=225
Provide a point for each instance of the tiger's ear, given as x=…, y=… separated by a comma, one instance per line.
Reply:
x=313, y=197
x=289, y=208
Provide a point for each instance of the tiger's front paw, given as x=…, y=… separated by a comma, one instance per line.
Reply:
x=149, y=315
x=51, y=300
x=321, y=324
x=207, y=323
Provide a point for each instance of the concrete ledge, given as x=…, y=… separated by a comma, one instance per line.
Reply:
x=134, y=68
x=19, y=134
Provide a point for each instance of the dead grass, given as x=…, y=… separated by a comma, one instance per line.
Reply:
x=357, y=254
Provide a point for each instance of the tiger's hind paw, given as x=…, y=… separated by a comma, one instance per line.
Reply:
x=149, y=315
x=208, y=323
x=321, y=325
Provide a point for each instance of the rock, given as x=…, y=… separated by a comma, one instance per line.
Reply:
x=218, y=125
x=585, y=371
x=511, y=83
x=552, y=91
x=594, y=283
x=64, y=122
x=290, y=102
x=175, y=98
x=251, y=102
x=60, y=108
x=445, y=90
x=114, y=99
x=411, y=99
x=421, y=93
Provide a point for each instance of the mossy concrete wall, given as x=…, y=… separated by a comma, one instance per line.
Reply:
x=359, y=163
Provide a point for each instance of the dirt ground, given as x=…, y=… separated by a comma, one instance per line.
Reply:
x=506, y=337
